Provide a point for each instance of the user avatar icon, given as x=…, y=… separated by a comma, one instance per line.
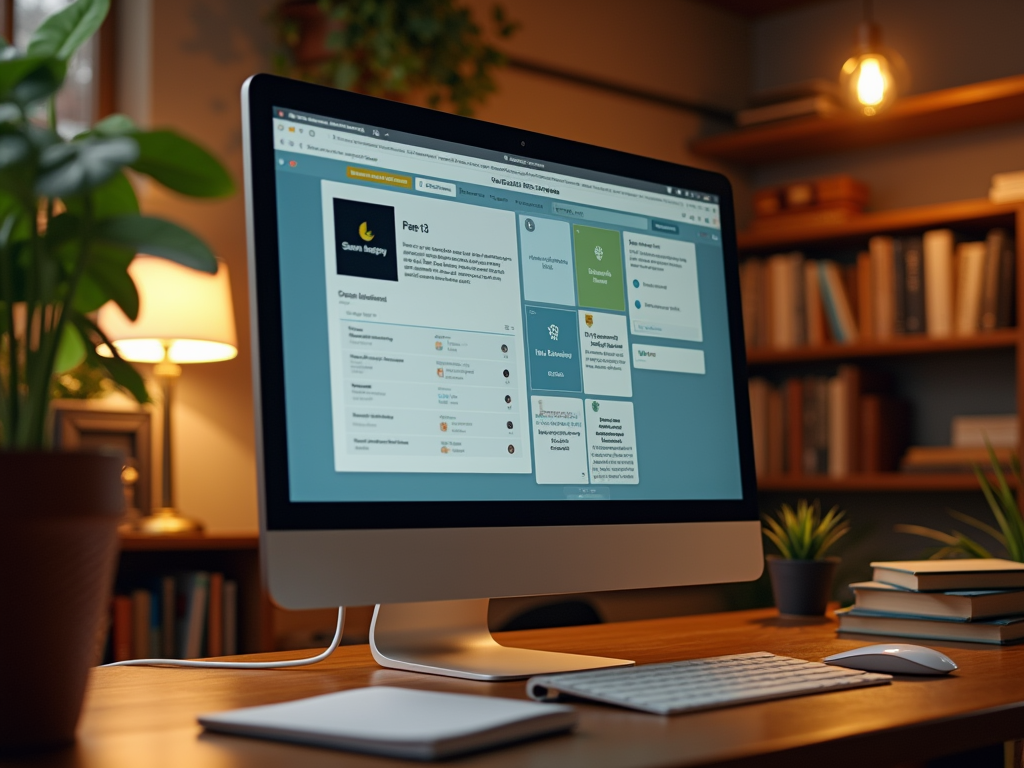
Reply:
x=440, y=373
x=637, y=302
x=530, y=225
x=438, y=346
x=505, y=373
x=508, y=399
x=511, y=449
x=444, y=426
x=504, y=347
x=508, y=424
x=636, y=283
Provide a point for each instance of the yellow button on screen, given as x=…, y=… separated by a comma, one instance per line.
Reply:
x=379, y=177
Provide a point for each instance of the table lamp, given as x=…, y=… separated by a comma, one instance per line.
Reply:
x=185, y=316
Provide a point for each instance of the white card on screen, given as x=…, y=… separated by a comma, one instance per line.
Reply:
x=397, y=722
x=894, y=659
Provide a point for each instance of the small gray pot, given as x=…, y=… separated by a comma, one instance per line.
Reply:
x=802, y=587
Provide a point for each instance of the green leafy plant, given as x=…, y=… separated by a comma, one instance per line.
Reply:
x=804, y=534
x=1003, y=503
x=393, y=47
x=70, y=225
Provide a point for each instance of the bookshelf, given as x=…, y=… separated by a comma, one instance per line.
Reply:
x=913, y=117
x=145, y=558
x=969, y=217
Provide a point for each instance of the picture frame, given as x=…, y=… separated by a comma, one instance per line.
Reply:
x=78, y=427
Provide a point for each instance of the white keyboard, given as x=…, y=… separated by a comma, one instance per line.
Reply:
x=687, y=686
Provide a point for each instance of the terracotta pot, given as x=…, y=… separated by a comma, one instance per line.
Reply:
x=802, y=587
x=58, y=546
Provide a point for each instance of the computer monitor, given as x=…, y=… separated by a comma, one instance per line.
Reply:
x=487, y=363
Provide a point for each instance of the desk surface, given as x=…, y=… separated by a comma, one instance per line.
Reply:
x=146, y=716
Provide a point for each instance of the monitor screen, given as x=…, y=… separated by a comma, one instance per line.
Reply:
x=459, y=324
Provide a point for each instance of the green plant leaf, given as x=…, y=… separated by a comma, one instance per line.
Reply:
x=61, y=34
x=181, y=165
x=73, y=169
x=115, y=197
x=70, y=349
x=975, y=523
x=17, y=69
x=119, y=370
x=112, y=125
x=41, y=83
x=157, y=238
x=106, y=279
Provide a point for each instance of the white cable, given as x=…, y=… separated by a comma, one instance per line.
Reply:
x=240, y=664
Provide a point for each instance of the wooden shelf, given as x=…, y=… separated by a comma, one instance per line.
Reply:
x=140, y=542
x=886, y=481
x=907, y=345
x=976, y=213
x=913, y=117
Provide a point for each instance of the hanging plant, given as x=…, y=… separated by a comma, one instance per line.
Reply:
x=392, y=48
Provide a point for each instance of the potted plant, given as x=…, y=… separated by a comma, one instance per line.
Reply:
x=1002, y=501
x=392, y=48
x=801, y=574
x=69, y=227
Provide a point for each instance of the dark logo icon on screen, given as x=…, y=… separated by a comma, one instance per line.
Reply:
x=364, y=236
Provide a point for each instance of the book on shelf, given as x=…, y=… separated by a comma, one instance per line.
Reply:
x=945, y=575
x=993, y=631
x=1007, y=187
x=927, y=285
x=836, y=426
x=948, y=458
x=964, y=605
x=187, y=615
x=999, y=431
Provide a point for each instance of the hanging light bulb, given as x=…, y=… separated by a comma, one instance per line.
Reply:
x=874, y=76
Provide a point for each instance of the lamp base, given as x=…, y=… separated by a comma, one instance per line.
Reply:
x=167, y=520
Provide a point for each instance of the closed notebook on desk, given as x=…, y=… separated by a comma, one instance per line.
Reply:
x=397, y=722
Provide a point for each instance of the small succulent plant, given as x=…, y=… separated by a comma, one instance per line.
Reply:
x=804, y=534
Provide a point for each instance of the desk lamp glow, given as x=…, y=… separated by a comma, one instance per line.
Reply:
x=874, y=76
x=185, y=316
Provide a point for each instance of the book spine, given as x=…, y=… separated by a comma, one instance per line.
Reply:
x=123, y=628
x=938, y=282
x=168, y=609
x=799, y=293
x=795, y=426
x=141, y=609
x=780, y=286
x=865, y=298
x=837, y=428
x=871, y=433
x=914, y=282
x=215, y=616
x=899, y=289
x=230, y=617
x=972, y=277
x=995, y=242
x=837, y=303
x=881, y=249
x=758, y=391
x=812, y=305
x=1007, y=271
x=853, y=385
x=197, y=615
x=776, y=433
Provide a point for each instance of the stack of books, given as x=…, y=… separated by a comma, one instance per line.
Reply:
x=928, y=285
x=184, y=616
x=980, y=601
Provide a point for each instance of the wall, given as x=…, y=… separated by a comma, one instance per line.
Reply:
x=202, y=50
x=944, y=45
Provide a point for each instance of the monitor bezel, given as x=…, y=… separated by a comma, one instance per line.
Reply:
x=278, y=512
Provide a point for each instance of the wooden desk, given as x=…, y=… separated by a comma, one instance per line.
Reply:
x=138, y=717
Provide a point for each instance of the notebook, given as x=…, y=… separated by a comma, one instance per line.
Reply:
x=397, y=722
x=946, y=575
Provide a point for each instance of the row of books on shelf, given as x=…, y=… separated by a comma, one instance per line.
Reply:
x=183, y=616
x=928, y=285
x=837, y=426
x=978, y=601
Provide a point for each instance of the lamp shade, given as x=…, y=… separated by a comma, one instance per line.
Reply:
x=186, y=312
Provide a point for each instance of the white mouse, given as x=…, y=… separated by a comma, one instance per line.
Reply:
x=894, y=659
